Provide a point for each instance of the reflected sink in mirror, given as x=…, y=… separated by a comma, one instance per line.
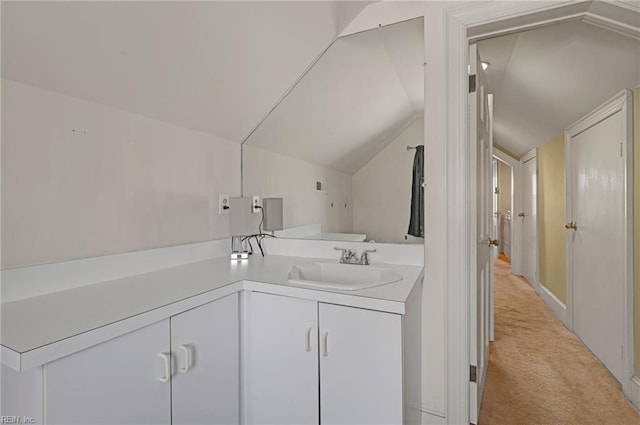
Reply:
x=346, y=277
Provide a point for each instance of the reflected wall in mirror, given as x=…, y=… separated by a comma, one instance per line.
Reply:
x=335, y=147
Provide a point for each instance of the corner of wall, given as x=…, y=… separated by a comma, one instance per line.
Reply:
x=556, y=306
x=636, y=229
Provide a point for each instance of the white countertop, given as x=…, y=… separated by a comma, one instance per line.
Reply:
x=39, y=329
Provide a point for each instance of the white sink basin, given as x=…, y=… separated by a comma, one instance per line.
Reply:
x=346, y=277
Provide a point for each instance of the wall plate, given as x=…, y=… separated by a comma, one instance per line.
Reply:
x=223, y=204
x=321, y=186
x=255, y=204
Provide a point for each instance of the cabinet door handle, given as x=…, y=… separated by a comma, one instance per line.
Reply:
x=167, y=366
x=187, y=358
x=308, y=340
x=325, y=343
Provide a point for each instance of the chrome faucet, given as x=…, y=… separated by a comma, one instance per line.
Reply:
x=364, y=257
x=350, y=257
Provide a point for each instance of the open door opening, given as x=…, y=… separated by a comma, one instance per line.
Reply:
x=502, y=207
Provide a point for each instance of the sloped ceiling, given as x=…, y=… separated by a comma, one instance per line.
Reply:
x=216, y=67
x=545, y=79
x=364, y=90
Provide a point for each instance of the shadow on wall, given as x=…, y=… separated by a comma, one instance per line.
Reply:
x=382, y=190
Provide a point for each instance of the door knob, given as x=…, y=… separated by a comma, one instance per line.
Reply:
x=573, y=225
x=521, y=214
x=493, y=242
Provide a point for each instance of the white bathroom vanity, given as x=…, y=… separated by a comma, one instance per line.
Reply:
x=213, y=341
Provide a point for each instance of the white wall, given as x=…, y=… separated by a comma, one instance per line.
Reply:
x=270, y=174
x=80, y=179
x=382, y=190
x=434, y=388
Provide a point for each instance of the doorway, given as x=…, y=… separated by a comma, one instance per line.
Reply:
x=503, y=206
x=514, y=201
x=462, y=26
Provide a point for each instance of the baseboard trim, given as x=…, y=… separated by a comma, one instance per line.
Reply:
x=634, y=392
x=432, y=418
x=557, y=307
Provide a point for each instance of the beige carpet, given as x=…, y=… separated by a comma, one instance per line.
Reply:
x=539, y=372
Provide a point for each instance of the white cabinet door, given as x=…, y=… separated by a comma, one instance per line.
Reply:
x=21, y=395
x=360, y=366
x=117, y=382
x=282, y=363
x=205, y=343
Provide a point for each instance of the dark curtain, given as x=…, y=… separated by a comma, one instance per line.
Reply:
x=416, y=221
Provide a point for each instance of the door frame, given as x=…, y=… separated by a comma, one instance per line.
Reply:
x=463, y=24
x=622, y=102
x=516, y=205
x=495, y=231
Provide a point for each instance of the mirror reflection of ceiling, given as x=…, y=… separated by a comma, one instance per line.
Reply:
x=364, y=90
x=545, y=79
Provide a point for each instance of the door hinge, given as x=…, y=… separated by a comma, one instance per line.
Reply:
x=472, y=83
x=472, y=373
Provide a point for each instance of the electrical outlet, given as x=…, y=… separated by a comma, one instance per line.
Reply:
x=223, y=204
x=255, y=203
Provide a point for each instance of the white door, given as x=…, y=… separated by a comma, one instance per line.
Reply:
x=495, y=234
x=282, y=364
x=495, y=212
x=527, y=219
x=597, y=246
x=205, y=388
x=122, y=381
x=360, y=366
x=482, y=261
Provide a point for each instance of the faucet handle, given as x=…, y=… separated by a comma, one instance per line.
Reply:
x=345, y=253
x=364, y=258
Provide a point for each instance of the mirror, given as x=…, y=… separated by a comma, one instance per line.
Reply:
x=335, y=147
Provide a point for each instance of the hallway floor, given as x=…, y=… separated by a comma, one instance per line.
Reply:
x=539, y=372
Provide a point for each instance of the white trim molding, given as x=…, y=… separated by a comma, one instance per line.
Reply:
x=611, y=25
x=556, y=306
x=529, y=155
x=634, y=391
x=430, y=417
